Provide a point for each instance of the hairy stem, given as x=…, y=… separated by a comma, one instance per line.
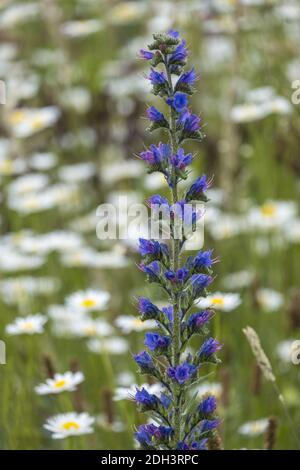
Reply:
x=175, y=261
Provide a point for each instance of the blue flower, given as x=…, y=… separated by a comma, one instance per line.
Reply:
x=154, y=115
x=180, y=160
x=209, y=425
x=152, y=270
x=145, y=399
x=182, y=373
x=147, y=432
x=187, y=78
x=158, y=200
x=147, y=308
x=199, y=319
x=203, y=259
x=165, y=400
x=174, y=34
x=190, y=122
x=208, y=405
x=200, y=282
x=154, y=341
x=157, y=155
x=199, y=445
x=179, y=101
x=152, y=247
x=146, y=55
x=198, y=189
x=208, y=348
x=144, y=361
x=179, y=55
x=168, y=311
x=157, y=78
x=178, y=277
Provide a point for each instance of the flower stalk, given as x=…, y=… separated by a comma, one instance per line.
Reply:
x=178, y=423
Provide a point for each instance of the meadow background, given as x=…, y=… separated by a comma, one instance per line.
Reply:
x=73, y=119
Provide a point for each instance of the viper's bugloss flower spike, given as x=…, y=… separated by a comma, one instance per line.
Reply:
x=166, y=359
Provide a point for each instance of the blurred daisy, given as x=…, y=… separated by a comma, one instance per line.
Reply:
x=69, y=424
x=80, y=28
x=269, y=299
x=112, y=345
x=272, y=214
x=248, y=112
x=284, y=350
x=28, y=183
x=115, y=426
x=222, y=226
x=238, y=280
x=18, y=13
x=76, y=98
x=88, y=301
x=78, y=172
x=126, y=378
x=60, y=383
x=14, y=290
x=125, y=393
x=43, y=161
x=212, y=388
x=11, y=261
x=254, y=428
x=88, y=327
x=27, y=325
x=25, y=122
x=220, y=301
x=291, y=231
x=126, y=12
x=10, y=166
x=129, y=323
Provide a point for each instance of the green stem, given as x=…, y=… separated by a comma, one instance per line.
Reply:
x=175, y=261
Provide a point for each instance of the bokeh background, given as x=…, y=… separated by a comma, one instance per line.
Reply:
x=73, y=118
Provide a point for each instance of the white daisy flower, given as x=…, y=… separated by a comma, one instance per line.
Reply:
x=238, y=279
x=254, y=428
x=27, y=325
x=80, y=28
x=60, y=383
x=88, y=327
x=129, y=323
x=28, y=183
x=285, y=349
x=248, y=112
x=43, y=161
x=272, y=214
x=112, y=345
x=220, y=301
x=88, y=301
x=69, y=424
x=269, y=299
x=291, y=231
x=212, y=388
x=78, y=172
x=18, y=13
x=25, y=122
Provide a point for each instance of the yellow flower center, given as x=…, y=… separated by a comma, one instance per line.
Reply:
x=28, y=325
x=17, y=116
x=70, y=425
x=137, y=322
x=60, y=383
x=37, y=123
x=218, y=301
x=6, y=166
x=268, y=210
x=88, y=303
x=90, y=330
